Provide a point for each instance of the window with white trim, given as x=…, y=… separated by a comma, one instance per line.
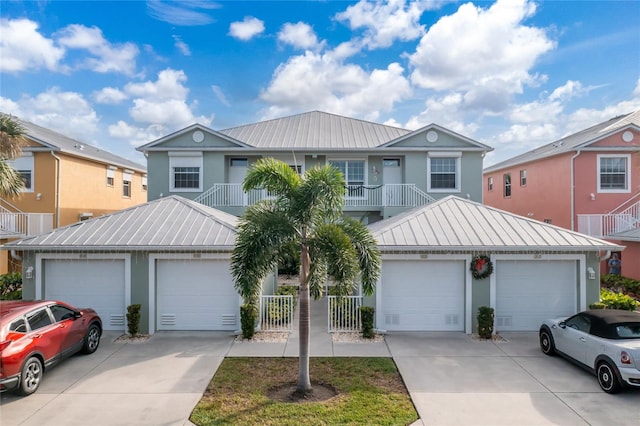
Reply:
x=523, y=177
x=614, y=174
x=506, y=179
x=144, y=182
x=126, y=183
x=443, y=171
x=490, y=183
x=186, y=172
x=24, y=166
x=354, y=175
x=111, y=175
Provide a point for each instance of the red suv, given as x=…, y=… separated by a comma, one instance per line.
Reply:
x=37, y=335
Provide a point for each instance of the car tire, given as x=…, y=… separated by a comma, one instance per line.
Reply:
x=608, y=378
x=547, y=345
x=91, y=340
x=31, y=376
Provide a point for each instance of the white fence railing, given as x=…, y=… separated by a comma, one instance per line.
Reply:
x=392, y=195
x=24, y=224
x=344, y=314
x=276, y=313
x=604, y=225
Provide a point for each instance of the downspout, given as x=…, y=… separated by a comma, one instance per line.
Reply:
x=15, y=255
x=573, y=191
x=57, y=189
x=606, y=256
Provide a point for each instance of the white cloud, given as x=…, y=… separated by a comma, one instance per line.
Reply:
x=636, y=91
x=487, y=53
x=181, y=45
x=107, y=57
x=137, y=136
x=185, y=13
x=386, y=22
x=109, y=96
x=217, y=90
x=247, y=29
x=170, y=85
x=299, y=35
x=315, y=81
x=23, y=48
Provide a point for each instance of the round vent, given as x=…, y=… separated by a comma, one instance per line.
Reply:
x=432, y=136
x=198, y=136
x=627, y=136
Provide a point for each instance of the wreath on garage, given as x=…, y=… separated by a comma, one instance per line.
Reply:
x=481, y=267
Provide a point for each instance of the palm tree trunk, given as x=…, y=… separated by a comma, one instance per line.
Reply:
x=304, y=381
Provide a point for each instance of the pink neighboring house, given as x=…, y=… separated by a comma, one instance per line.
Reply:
x=587, y=182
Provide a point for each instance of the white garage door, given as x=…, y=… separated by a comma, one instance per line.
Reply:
x=425, y=295
x=530, y=291
x=196, y=295
x=97, y=284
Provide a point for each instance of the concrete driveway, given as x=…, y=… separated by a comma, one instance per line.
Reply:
x=153, y=383
x=456, y=380
x=452, y=378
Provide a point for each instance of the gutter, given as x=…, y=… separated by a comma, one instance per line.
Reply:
x=573, y=190
x=57, y=188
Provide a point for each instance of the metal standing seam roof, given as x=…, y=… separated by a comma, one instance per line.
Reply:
x=315, y=130
x=630, y=235
x=571, y=142
x=173, y=222
x=454, y=223
x=57, y=141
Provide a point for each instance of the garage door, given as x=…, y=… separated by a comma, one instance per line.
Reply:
x=530, y=291
x=423, y=295
x=196, y=295
x=98, y=284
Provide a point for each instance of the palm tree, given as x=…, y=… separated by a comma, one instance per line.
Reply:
x=305, y=210
x=11, y=141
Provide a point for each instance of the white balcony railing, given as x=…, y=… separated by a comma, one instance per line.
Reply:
x=606, y=225
x=20, y=225
x=396, y=195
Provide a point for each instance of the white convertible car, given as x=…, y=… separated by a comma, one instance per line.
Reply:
x=605, y=341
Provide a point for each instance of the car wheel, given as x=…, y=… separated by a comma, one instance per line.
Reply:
x=607, y=378
x=91, y=340
x=546, y=343
x=31, y=376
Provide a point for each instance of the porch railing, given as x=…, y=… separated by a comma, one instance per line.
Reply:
x=344, y=314
x=391, y=195
x=276, y=313
x=19, y=225
x=605, y=225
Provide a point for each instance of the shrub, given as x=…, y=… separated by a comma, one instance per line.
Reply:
x=11, y=286
x=620, y=283
x=597, y=305
x=288, y=290
x=613, y=300
x=248, y=318
x=133, y=319
x=289, y=262
x=367, y=317
x=485, y=322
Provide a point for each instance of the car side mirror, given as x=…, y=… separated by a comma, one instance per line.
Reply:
x=77, y=314
x=562, y=324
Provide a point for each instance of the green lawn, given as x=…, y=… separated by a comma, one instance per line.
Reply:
x=369, y=391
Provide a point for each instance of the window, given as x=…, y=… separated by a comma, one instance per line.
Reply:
x=353, y=172
x=613, y=173
x=443, y=171
x=18, y=326
x=548, y=220
x=523, y=178
x=490, y=184
x=186, y=175
x=39, y=319
x=507, y=184
x=579, y=322
x=61, y=313
x=24, y=166
x=144, y=182
x=126, y=183
x=111, y=175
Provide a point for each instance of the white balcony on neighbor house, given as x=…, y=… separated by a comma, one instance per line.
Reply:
x=363, y=196
x=606, y=225
x=21, y=225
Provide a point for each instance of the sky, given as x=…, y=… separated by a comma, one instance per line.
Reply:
x=512, y=74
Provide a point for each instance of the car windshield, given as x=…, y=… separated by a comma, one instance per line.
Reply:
x=630, y=330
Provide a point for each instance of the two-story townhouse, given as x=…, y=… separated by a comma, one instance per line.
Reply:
x=588, y=181
x=66, y=181
x=387, y=169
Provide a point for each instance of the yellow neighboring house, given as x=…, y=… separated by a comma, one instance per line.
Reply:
x=66, y=181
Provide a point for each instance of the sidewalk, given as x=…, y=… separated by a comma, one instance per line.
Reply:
x=322, y=344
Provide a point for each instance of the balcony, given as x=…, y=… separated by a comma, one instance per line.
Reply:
x=357, y=196
x=21, y=225
x=606, y=225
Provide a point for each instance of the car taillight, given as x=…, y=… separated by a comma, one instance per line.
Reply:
x=625, y=358
x=3, y=345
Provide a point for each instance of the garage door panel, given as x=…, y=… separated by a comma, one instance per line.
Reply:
x=91, y=283
x=423, y=295
x=196, y=295
x=529, y=291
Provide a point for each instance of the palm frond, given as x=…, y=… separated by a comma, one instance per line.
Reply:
x=11, y=137
x=332, y=244
x=369, y=257
x=273, y=175
x=11, y=182
x=321, y=195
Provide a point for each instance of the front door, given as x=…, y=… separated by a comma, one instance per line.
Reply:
x=392, y=178
x=237, y=171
